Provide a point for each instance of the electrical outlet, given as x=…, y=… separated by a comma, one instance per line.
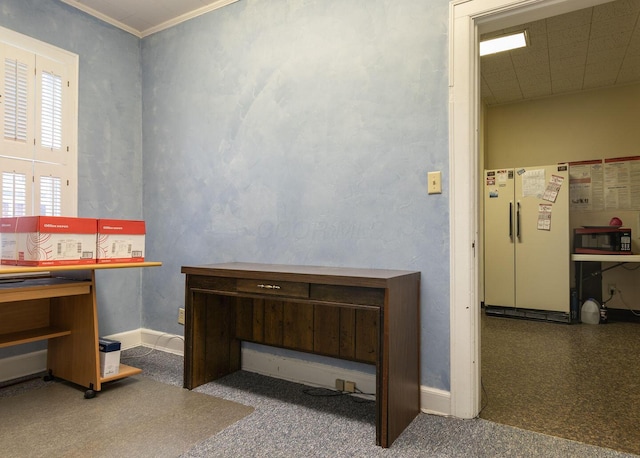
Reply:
x=180, y=315
x=612, y=289
x=339, y=384
x=350, y=387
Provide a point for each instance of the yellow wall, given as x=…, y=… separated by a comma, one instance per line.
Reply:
x=591, y=125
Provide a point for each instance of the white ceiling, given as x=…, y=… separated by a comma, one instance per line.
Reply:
x=144, y=17
x=585, y=49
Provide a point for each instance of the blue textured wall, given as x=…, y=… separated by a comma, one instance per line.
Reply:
x=280, y=131
x=300, y=132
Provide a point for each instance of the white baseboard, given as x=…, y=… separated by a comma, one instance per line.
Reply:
x=432, y=401
x=18, y=366
x=170, y=343
x=305, y=372
x=435, y=402
x=22, y=365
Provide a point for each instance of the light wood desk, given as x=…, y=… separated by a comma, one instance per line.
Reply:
x=58, y=306
x=365, y=315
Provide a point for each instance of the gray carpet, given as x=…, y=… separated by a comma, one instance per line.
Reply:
x=291, y=420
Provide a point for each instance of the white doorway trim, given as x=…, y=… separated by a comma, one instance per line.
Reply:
x=467, y=19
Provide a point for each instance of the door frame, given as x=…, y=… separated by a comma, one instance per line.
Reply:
x=469, y=18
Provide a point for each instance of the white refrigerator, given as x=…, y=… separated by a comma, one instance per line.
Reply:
x=527, y=241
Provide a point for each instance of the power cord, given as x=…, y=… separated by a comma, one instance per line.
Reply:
x=485, y=397
x=328, y=393
x=633, y=312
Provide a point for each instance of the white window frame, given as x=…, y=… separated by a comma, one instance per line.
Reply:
x=31, y=158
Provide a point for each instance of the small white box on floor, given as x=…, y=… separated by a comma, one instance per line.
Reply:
x=109, y=357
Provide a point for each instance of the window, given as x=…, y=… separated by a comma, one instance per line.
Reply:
x=38, y=132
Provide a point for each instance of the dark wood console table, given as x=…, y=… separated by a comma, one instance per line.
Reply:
x=365, y=315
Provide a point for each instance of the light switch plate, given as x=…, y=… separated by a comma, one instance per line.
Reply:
x=434, y=182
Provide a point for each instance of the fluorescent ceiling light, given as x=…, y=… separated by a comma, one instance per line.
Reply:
x=503, y=43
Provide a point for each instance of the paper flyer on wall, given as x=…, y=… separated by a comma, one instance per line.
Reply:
x=586, y=185
x=622, y=183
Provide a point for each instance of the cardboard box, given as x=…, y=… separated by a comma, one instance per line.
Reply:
x=109, y=357
x=8, y=253
x=120, y=241
x=55, y=240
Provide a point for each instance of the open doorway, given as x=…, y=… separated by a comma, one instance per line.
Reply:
x=469, y=20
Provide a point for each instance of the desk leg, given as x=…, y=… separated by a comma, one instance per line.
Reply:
x=211, y=349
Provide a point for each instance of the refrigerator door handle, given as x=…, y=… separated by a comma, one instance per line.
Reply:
x=511, y=220
x=518, y=220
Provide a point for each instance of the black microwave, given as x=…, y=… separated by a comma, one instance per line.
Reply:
x=602, y=240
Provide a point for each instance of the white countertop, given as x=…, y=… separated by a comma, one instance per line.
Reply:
x=606, y=257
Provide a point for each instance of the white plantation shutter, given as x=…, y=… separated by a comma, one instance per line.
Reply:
x=50, y=196
x=51, y=115
x=18, y=99
x=15, y=100
x=38, y=141
x=14, y=194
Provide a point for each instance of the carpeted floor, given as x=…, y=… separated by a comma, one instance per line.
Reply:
x=580, y=382
x=291, y=420
x=126, y=419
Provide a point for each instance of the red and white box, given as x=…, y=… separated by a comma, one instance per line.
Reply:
x=55, y=240
x=120, y=240
x=8, y=253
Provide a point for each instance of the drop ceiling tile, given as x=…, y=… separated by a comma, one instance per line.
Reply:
x=630, y=70
x=569, y=20
x=568, y=50
x=615, y=9
x=537, y=91
x=483, y=85
x=568, y=36
x=501, y=77
x=572, y=64
x=567, y=84
x=634, y=42
x=531, y=57
x=602, y=78
x=508, y=97
x=489, y=100
x=529, y=79
x=604, y=56
x=589, y=48
x=497, y=63
x=537, y=27
x=613, y=41
x=501, y=88
x=618, y=24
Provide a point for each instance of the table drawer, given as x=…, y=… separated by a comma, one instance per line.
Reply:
x=273, y=287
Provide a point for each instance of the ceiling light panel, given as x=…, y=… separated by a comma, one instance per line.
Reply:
x=503, y=43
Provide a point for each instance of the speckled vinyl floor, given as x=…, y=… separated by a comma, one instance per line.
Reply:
x=579, y=382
